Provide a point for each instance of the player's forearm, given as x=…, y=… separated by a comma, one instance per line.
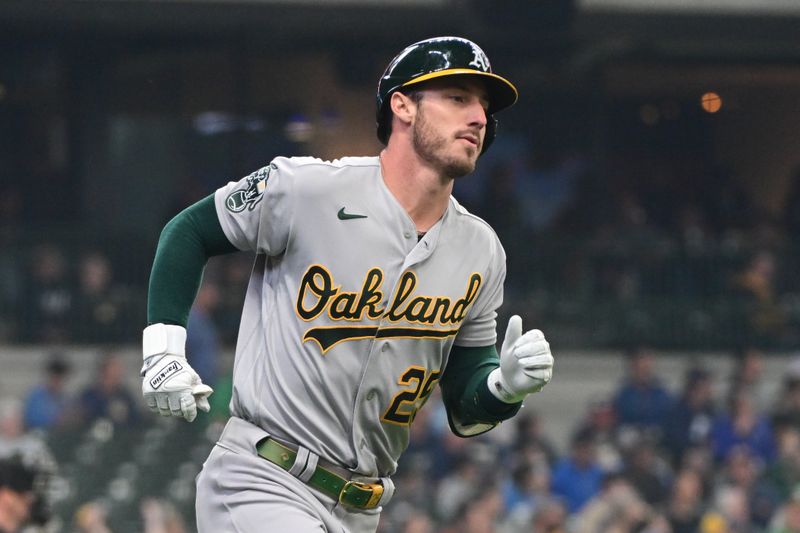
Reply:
x=185, y=245
x=465, y=391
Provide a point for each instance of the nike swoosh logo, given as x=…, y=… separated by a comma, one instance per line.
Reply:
x=348, y=216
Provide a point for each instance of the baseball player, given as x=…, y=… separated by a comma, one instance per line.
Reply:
x=371, y=285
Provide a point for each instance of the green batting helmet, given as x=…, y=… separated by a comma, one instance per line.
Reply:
x=436, y=58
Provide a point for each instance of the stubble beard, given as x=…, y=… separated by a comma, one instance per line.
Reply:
x=431, y=146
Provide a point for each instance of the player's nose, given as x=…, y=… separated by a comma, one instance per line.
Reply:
x=477, y=115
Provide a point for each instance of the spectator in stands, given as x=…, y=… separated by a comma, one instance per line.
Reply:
x=783, y=476
x=729, y=513
x=601, y=422
x=108, y=396
x=747, y=375
x=787, y=519
x=646, y=472
x=758, y=315
x=617, y=508
x=742, y=425
x=202, y=337
x=415, y=493
x=641, y=401
x=742, y=470
x=531, y=438
x=91, y=517
x=17, y=496
x=524, y=491
x=102, y=308
x=15, y=441
x=686, y=504
x=689, y=420
x=427, y=443
x=47, y=404
x=577, y=477
x=417, y=523
x=481, y=513
x=786, y=410
x=160, y=516
x=48, y=299
x=458, y=488
x=550, y=516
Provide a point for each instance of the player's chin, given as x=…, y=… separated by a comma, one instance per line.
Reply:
x=460, y=167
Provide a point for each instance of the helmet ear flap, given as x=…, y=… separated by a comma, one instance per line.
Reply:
x=491, y=131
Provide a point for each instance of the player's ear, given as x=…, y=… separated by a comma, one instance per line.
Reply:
x=403, y=107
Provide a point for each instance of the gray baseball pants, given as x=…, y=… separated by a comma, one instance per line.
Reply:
x=240, y=492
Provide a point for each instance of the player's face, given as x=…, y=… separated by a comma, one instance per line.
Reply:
x=450, y=125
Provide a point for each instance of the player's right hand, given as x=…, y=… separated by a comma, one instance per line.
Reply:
x=526, y=364
x=170, y=385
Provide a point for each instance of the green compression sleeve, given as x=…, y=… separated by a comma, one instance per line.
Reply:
x=184, y=247
x=465, y=392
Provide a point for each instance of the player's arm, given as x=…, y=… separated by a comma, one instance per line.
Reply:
x=184, y=247
x=170, y=386
x=481, y=389
x=471, y=407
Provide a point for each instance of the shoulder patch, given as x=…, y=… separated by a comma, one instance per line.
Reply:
x=249, y=196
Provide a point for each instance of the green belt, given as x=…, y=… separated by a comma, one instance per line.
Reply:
x=351, y=493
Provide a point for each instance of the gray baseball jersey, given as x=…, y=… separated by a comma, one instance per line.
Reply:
x=349, y=317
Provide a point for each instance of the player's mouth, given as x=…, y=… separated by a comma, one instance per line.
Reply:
x=470, y=138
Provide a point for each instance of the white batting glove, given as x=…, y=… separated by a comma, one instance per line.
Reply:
x=526, y=364
x=170, y=386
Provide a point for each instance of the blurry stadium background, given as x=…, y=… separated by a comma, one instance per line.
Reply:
x=646, y=188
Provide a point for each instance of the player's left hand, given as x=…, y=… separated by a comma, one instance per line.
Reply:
x=526, y=364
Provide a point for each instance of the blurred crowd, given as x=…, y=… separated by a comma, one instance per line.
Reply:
x=52, y=295
x=646, y=246
x=39, y=437
x=642, y=248
x=716, y=456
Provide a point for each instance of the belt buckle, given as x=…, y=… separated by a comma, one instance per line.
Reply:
x=357, y=489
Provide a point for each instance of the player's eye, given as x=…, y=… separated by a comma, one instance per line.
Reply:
x=458, y=98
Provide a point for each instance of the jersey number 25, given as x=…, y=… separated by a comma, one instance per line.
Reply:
x=407, y=402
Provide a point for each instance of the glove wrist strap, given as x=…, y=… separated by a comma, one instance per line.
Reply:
x=500, y=389
x=161, y=339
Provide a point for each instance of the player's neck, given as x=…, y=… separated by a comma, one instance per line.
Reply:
x=422, y=192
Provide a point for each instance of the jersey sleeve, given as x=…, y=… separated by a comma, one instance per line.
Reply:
x=256, y=212
x=480, y=326
x=471, y=407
